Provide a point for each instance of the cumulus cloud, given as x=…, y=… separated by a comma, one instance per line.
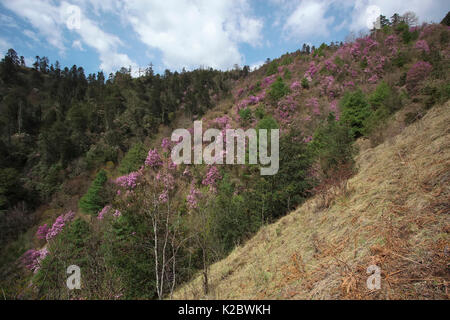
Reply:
x=51, y=21
x=194, y=33
x=308, y=20
x=426, y=10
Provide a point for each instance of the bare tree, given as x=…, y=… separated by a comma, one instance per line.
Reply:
x=410, y=18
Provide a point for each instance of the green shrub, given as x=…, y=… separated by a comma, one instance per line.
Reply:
x=355, y=111
x=92, y=201
x=245, y=114
x=272, y=68
x=332, y=144
x=134, y=159
x=99, y=154
x=278, y=90
x=259, y=112
x=305, y=83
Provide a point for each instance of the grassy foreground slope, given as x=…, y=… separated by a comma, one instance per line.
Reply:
x=393, y=213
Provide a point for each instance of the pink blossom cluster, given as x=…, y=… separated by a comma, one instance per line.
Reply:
x=168, y=182
x=129, y=181
x=268, y=81
x=375, y=64
x=32, y=258
x=349, y=84
x=103, y=212
x=334, y=109
x=42, y=231
x=368, y=43
x=373, y=79
x=251, y=100
x=211, y=177
x=59, y=224
x=307, y=139
x=295, y=85
x=153, y=159
x=312, y=70
x=418, y=72
x=330, y=65
x=165, y=144
x=192, y=198
x=391, y=43
x=222, y=121
x=286, y=109
x=327, y=86
x=422, y=45
x=117, y=213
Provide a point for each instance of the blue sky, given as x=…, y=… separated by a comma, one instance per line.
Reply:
x=172, y=34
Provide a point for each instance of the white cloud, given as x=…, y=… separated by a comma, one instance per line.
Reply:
x=32, y=35
x=42, y=15
x=426, y=10
x=7, y=21
x=194, y=33
x=256, y=65
x=308, y=20
x=77, y=45
x=50, y=21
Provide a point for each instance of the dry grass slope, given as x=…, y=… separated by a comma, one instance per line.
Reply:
x=393, y=213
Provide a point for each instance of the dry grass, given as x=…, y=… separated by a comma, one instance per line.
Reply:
x=394, y=213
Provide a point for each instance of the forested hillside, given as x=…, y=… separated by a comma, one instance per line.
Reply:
x=86, y=176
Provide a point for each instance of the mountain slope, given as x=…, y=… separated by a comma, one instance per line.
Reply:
x=393, y=213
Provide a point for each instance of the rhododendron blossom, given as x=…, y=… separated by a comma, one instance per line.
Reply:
x=42, y=231
x=192, y=198
x=165, y=144
x=129, y=181
x=153, y=159
x=59, y=224
x=32, y=259
x=423, y=46
x=211, y=177
x=103, y=212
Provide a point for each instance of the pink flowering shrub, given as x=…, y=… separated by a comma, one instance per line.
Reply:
x=391, y=43
x=153, y=159
x=312, y=70
x=422, y=45
x=167, y=180
x=32, y=259
x=295, y=85
x=268, y=81
x=59, y=224
x=373, y=79
x=417, y=73
x=330, y=65
x=286, y=109
x=192, y=198
x=211, y=178
x=103, y=212
x=42, y=231
x=165, y=144
x=327, y=86
x=129, y=181
x=334, y=109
